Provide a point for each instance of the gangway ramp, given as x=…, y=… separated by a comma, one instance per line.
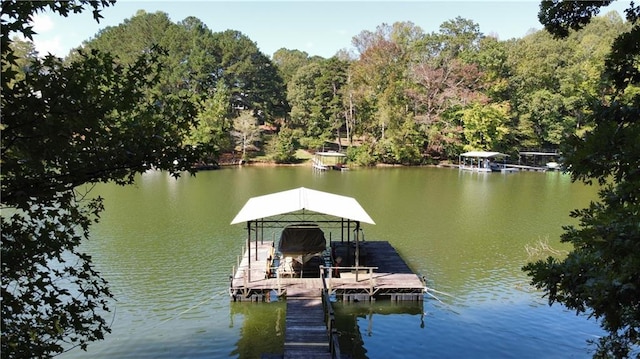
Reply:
x=306, y=331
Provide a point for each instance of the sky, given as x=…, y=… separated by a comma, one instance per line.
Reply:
x=318, y=28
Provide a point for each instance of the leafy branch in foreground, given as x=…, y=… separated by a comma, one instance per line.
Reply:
x=601, y=275
x=66, y=126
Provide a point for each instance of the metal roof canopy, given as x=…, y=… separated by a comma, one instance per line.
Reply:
x=302, y=199
x=483, y=154
x=296, y=200
x=539, y=154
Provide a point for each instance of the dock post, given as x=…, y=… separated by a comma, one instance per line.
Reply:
x=249, y=247
x=357, y=235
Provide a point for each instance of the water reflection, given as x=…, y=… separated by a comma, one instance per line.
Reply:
x=262, y=328
x=356, y=320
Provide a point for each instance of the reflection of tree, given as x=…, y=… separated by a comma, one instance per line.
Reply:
x=347, y=314
x=262, y=328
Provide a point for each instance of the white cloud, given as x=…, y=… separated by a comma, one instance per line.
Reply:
x=51, y=45
x=45, y=40
x=41, y=23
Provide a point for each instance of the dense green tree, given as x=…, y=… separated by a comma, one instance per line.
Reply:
x=283, y=146
x=305, y=105
x=601, y=275
x=456, y=39
x=253, y=79
x=315, y=94
x=580, y=81
x=544, y=113
x=191, y=56
x=485, y=126
x=135, y=35
x=24, y=52
x=491, y=59
x=65, y=127
x=213, y=124
x=403, y=146
x=197, y=59
x=554, y=80
x=330, y=87
x=289, y=61
x=534, y=82
x=188, y=62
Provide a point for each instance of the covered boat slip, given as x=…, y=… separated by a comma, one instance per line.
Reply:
x=483, y=161
x=329, y=160
x=540, y=160
x=286, y=250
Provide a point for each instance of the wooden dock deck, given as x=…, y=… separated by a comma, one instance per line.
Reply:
x=381, y=274
x=509, y=167
x=306, y=331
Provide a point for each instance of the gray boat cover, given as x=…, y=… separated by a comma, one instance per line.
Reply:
x=301, y=239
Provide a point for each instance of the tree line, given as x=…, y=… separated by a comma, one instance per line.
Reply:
x=401, y=96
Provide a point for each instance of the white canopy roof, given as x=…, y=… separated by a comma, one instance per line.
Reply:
x=330, y=154
x=540, y=153
x=302, y=198
x=483, y=154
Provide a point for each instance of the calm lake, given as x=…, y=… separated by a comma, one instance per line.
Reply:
x=167, y=250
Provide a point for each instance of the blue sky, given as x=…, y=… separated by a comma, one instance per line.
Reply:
x=319, y=28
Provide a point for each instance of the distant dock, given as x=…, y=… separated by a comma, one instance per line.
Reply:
x=511, y=167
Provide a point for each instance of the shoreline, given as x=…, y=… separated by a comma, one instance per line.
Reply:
x=307, y=163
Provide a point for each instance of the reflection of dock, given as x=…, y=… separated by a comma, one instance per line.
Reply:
x=381, y=274
x=527, y=168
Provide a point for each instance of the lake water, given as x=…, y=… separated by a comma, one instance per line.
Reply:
x=167, y=250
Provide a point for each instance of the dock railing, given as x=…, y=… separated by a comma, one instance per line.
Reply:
x=326, y=273
x=330, y=320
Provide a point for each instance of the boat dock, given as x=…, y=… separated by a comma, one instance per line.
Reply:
x=329, y=160
x=308, y=273
x=484, y=161
x=381, y=274
x=506, y=167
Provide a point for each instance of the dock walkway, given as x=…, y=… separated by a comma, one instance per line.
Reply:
x=306, y=332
